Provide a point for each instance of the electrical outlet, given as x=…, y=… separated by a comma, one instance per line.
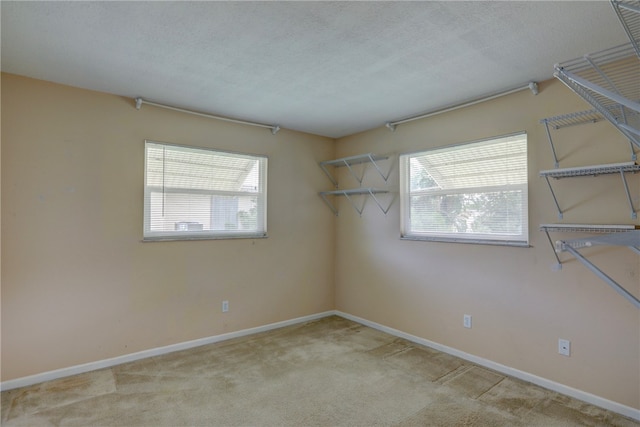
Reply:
x=467, y=321
x=225, y=306
x=564, y=347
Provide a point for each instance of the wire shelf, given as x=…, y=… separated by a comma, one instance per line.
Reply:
x=354, y=160
x=629, y=14
x=572, y=119
x=629, y=238
x=580, y=118
x=613, y=168
x=588, y=228
x=581, y=228
x=370, y=192
x=352, y=192
x=610, y=81
x=591, y=170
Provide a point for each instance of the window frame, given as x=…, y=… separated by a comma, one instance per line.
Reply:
x=181, y=235
x=406, y=194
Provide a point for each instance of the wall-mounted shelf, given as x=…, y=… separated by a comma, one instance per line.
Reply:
x=609, y=80
x=582, y=228
x=348, y=162
x=629, y=14
x=574, y=119
x=614, y=168
x=354, y=192
x=591, y=170
x=629, y=238
x=587, y=228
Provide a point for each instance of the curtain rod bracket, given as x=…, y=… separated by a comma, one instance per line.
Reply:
x=138, y=103
x=275, y=129
x=534, y=87
x=390, y=126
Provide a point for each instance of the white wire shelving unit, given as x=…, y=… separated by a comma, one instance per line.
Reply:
x=352, y=194
x=609, y=80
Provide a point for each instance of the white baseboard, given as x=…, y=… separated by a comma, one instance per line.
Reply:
x=107, y=363
x=601, y=402
x=627, y=411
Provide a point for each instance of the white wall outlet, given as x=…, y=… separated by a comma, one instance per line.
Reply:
x=467, y=321
x=564, y=347
x=225, y=306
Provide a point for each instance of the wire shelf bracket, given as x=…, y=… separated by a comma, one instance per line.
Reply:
x=348, y=194
x=630, y=239
x=349, y=162
x=608, y=169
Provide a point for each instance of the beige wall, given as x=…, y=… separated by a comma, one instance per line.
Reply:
x=79, y=286
x=520, y=307
x=77, y=283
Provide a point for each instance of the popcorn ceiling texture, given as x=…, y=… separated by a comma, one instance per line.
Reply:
x=327, y=68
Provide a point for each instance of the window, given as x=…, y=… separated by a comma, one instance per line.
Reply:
x=474, y=192
x=194, y=193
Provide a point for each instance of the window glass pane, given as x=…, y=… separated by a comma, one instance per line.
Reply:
x=483, y=213
x=198, y=193
x=475, y=191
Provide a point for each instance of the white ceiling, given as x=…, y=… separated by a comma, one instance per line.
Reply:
x=327, y=68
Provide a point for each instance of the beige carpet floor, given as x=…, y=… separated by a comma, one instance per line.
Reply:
x=330, y=372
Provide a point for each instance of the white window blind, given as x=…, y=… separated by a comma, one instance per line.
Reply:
x=474, y=192
x=195, y=193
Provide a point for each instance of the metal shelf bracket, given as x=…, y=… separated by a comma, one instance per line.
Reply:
x=630, y=239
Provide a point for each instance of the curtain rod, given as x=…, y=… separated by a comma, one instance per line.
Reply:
x=533, y=86
x=140, y=101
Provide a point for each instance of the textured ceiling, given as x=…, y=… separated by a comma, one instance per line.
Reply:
x=327, y=68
